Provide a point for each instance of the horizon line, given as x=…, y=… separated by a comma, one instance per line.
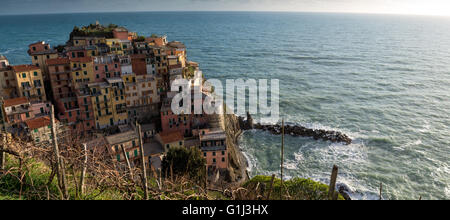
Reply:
x=216, y=11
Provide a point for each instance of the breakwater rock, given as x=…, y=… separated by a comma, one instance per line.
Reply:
x=297, y=131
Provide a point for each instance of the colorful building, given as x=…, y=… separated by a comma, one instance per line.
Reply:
x=82, y=71
x=40, y=52
x=106, y=66
x=30, y=82
x=109, y=104
x=17, y=110
x=170, y=140
x=128, y=140
x=214, y=148
x=40, y=130
x=8, y=85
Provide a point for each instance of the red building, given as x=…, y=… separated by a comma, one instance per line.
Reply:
x=121, y=33
x=18, y=110
x=139, y=64
x=106, y=67
x=214, y=148
x=171, y=122
x=73, y=107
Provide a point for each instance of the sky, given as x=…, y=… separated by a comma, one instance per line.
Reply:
x=416, y=7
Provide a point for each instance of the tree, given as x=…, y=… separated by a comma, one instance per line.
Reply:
x=184, y=162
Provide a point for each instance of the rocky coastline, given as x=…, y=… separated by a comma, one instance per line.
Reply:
x=296, y=131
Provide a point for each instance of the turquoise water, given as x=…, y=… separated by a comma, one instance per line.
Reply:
x=383, y=80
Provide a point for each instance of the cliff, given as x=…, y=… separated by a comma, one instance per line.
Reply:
x=237, y=162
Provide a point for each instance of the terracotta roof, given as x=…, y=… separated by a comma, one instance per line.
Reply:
x=15, y=101
x=171, y=137
x=38, y=122
x=58, y=61
x=22, y=68
x=81, y=59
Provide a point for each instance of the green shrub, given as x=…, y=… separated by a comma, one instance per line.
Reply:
x=297, y=188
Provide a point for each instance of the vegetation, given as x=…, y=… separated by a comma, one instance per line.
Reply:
x=183, y=161
x=31, y=174
x=140, y=39
x=94, y=30
x=294, y=189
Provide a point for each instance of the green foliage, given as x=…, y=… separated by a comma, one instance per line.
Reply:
x=184, y=162
x=140, y=39
x=94, y=30
x=34, y=181
x=297, y=188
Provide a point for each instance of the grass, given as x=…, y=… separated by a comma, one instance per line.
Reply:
x=297, y=188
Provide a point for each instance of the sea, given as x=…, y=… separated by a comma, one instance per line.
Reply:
x=384, y=80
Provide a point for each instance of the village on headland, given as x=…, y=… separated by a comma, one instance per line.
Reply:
x=101, y=84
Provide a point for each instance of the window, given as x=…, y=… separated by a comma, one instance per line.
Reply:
x=85, y=73
x=24, y=75
x=135, y=153
x=70, y=114
x=84, y=65
x=96, y=68
x=214, y=153
x=35, y=73
x=168, y=146
x=223, y=152
x=35, y=57
x=214, y=160
x=118, y=157
x=134, y=143
x=27, y=115
x=204, y=154
x=223, y=159
x=181, y=143
x=35, y=130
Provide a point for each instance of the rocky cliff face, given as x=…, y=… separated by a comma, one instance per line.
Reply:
x=237, y=171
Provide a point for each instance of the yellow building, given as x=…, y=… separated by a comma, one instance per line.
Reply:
x=120, y=115
x=40, y=52
x=82, y=71
x=108, y=100
x=30, y=82
x=115, y=46
x=87, y=41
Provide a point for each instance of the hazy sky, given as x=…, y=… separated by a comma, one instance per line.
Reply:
x=423, y=7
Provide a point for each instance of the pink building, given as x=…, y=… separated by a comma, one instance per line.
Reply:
x=18, y=110
x=171, y=122
x=40, y=109
x=214, y=148
x=106, y=67
x=120, y=33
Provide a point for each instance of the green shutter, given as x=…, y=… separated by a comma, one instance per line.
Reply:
x=118, y=157
x=135, y=153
